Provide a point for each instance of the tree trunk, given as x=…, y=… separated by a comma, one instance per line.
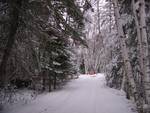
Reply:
x=124, y=50
x=43, y=80
x=146, y=68
x=50, y=82
x=139, y=39
x=99, y=24
x=55, y=78
x=15, y=6
x=141, y=53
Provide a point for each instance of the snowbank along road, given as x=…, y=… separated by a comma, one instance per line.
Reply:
x=88, y=94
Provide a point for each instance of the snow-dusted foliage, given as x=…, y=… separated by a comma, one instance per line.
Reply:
x=10, y=97
x=103, y=52
x=37, y=42
x=118, y=44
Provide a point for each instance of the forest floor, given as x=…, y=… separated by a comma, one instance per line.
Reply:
x=88, y=94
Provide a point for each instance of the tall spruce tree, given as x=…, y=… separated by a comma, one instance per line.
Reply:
x=35, y=37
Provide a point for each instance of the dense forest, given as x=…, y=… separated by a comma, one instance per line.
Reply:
x=45, y=43
x=38, y=39
x=118, y=41
x=38, y=42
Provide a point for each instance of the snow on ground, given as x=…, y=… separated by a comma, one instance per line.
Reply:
x=88, y=94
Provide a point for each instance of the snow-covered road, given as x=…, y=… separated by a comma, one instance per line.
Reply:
x=84, y=95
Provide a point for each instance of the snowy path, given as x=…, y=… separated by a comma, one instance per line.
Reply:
x=84, y=95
